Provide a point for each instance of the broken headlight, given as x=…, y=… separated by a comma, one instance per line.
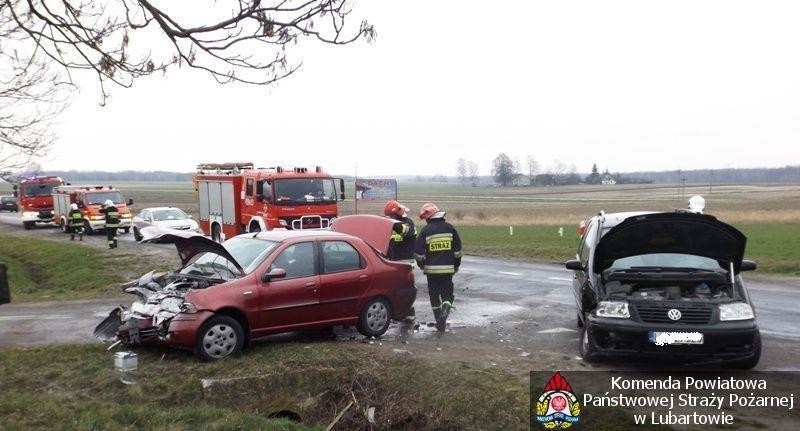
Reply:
x=615, y=309
x=735, y=311
x=188, y=308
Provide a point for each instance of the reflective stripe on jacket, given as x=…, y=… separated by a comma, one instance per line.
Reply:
x=75, y=218
x=438, y=248
x=112, y=216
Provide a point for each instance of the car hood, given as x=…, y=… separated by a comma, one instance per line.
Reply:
x=675, y=232
x=374, y=230
x=174, y=223
x=189, y=244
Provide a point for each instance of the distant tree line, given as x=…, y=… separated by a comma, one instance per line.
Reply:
x=83, y=176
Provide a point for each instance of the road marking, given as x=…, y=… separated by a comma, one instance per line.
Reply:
x=32, y=317
x=556, y=330
x=559, y=278
x=510, y=273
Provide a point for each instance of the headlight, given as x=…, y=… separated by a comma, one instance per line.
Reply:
x=735, y=311
x=615, y=309
x=188, y=308
x=283, y=223
x=96, y=217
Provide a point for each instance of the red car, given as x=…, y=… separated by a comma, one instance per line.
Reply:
x=264, y=283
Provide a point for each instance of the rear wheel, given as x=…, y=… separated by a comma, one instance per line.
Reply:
x=216, y=235
x=218, y=338
x=375, y=318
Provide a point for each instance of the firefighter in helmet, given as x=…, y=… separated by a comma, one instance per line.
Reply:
x=112, y=222
x=75, y=223
x=404, y=234
x=438, y=254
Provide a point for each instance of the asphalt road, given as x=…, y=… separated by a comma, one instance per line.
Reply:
x=515, y=314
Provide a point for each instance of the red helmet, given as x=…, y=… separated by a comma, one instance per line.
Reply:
x=393, y=208
x=428, y=210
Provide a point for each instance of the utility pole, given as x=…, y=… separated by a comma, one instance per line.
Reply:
x=683, y=188
x=355, y=188
x=710, y=181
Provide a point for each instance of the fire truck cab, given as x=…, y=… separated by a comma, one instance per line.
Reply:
x=35, y=200
x=236, y=198
x=90, y=201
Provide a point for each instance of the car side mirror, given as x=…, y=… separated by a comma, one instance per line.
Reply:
x=276, y=273
x=130, y=202
x=749, y=265
x=574, y=265
x=341, y=189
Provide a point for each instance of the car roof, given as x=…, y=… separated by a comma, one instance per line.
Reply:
x=281, y=235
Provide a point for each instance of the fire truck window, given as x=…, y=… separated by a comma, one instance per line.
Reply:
x=249, y=187
x=260, y=188
x=39, y=189
x=304, y=190
x=297, y=260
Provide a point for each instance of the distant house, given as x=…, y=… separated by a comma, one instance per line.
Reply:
x=608, y=180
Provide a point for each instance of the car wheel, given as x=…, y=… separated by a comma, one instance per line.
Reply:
x=137, y=235
x=587, y=348
x=63, y=225
x=752, y=361
x=216, y=235
x=126, y=230
x=218, y=338
x=375, y=318
x=28, y=225
x=87, y=228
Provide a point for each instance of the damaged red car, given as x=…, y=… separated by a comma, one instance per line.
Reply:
x=264, y=283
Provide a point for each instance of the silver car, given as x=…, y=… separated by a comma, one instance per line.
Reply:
x=165, y=218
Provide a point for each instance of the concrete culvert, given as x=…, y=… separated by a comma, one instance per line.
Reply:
x=285, y=414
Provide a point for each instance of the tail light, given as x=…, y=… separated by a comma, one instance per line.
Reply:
x=410, y=276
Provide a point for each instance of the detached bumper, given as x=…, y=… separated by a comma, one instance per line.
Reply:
x=721, y=341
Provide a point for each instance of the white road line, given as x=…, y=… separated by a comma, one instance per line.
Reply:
x=559, y=278
x=32, y=317
x=556, y=330
x=510, y=273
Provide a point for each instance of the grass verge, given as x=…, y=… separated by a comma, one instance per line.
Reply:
x=774, y=246
x=49, y=270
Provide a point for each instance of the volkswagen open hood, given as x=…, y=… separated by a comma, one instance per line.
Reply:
x=675, y=232
x=189, y=244
x=374, y=230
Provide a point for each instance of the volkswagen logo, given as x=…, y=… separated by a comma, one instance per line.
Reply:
x=674, y=314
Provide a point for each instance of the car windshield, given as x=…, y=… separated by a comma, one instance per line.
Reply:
x=39, y=189
x=304, y=190
x=169, y=214
x=248, y=252
x=665, y=261
x=99, y=198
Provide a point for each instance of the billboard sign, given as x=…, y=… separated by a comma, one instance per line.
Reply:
x=375, y=189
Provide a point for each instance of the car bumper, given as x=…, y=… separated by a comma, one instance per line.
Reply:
x=37, y=216
x=180, y=331
x=721, y=341
x=101, y=224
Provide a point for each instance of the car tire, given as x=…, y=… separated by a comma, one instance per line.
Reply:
x=87, y=228
x=216, y=235
x=126, y=230
x=375, y=318
x=219, y=337
x=63, y=225
x=137, y=235
x=587, y=348
x=28, y=225
x=751, y=362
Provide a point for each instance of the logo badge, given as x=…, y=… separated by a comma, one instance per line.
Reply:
x=558, y=407
x=674, y=314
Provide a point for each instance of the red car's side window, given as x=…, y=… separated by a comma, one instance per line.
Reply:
x=297, y=260
x=340, y=256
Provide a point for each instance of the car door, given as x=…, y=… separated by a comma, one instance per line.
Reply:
x=344, y=278
x=292, y=300
x=581, y=280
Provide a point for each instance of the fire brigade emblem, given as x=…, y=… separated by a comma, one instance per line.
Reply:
x=558, y=408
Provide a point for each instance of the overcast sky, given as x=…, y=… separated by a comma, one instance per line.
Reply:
x=634, y=85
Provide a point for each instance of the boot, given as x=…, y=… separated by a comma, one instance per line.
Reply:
x=80, y=237
x=440, y=320
x=72, y=237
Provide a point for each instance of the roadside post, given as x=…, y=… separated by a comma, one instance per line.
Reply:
x=5, y=290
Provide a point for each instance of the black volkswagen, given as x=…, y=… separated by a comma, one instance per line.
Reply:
x=664, y=284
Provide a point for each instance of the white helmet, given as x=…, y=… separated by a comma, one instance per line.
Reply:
x=697, y=204
x=108, y=203
x=73, y=207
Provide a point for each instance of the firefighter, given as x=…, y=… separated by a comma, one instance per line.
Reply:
x=438, y=254
x=404, y=234
x=75, y=223
x=112, y=222
x=697, y=204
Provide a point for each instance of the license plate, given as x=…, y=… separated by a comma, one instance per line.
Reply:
x=674, y=338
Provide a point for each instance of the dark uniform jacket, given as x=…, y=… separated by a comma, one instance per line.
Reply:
x=438, y=248
x=75, y=218
x=112, y=216
x=402, y=245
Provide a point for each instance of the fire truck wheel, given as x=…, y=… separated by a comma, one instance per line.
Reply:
x=87, y=228
x=29, y=225
x=215, y=234
x=126, y=230
x=63, y=225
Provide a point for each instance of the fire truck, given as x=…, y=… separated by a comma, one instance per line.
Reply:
x=236, y=198
x=35, y=200
x=90, y=201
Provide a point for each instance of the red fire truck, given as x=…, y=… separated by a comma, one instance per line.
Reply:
x=235, y=198
x=35, y=199
x=90, y=200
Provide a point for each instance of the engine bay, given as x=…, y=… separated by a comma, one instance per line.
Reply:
x=666, y=290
